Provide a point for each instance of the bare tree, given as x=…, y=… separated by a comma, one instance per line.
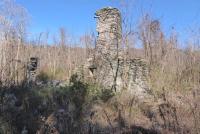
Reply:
x=13, y=20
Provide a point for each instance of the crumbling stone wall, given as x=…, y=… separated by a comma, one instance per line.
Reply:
x=108, y=46
x=108, y=67
x=32, y=69
x=109, y=33
x=137, y=80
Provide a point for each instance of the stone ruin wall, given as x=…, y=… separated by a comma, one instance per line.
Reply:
x=32, y=69
x=108, y=67
x=109, y=33
x=108, y=46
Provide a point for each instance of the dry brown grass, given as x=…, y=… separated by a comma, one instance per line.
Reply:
x=174, y=74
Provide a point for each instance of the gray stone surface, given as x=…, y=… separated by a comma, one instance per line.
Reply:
x=108, y=46
x=110, y=69
x=107, y=66
x=32, y=69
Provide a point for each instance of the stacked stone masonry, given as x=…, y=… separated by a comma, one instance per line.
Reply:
x=108, y=67
x=32, y=69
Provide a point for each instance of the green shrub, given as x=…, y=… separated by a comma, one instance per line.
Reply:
x=106, y=94
x=42, y=76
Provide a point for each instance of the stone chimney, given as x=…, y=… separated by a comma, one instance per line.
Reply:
x=109, y=32
x=108, y=45
x=32, y=69
x=108, y=67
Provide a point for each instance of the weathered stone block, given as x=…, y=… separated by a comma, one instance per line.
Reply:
x=32, y=69
x=108, y=66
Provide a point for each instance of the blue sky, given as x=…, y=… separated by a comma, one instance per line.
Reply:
x=77, y=16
